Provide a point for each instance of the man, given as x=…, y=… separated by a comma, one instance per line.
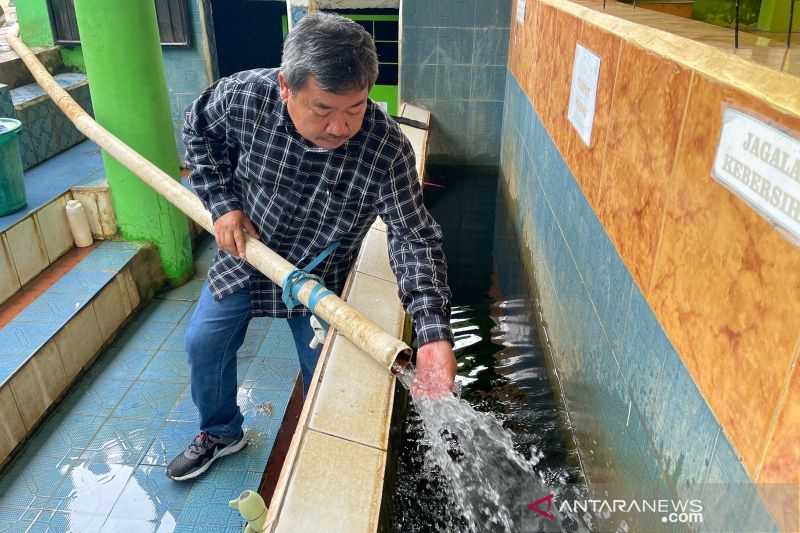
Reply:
x=301, y=158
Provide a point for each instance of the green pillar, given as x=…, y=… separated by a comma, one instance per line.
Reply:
x=774, y=16
x=34, y=22
x=122, y=51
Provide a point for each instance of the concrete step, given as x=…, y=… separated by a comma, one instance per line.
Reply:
x=57, y=336
x=46, y=130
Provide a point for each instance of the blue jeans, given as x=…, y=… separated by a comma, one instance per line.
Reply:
x=215, y=333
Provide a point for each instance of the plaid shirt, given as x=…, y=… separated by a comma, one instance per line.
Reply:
x=245, y=153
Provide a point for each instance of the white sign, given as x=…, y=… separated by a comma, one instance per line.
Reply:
x=583, y=95
x=520, y=11
x=762, y=166
x=383, y=105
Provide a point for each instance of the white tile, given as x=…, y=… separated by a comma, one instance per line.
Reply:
x=88, y=200
x=53, y=223
x=354, y=398
x=9, y=282
x=419, y=114
x=12, y=429
x=27, y=249
x=130, y=287
x=416, y=136
x=79, y=341
x=320, y=497
x=112, y=306
x=374, y=257
x=378, y=300
x=38, y=384
x=105, y=210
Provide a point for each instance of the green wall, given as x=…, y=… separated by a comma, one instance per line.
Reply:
x=34, y=22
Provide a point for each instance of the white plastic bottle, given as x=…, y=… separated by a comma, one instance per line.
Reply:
x=79, y=224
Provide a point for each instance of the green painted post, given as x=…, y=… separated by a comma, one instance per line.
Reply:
x=122, y=51
x=34, y=22
x=774, y=16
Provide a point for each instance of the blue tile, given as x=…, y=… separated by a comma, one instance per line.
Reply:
x=63, y=437
x=28, y=482
x=263, y=407
x=455, y=46
x=110, y=256
x=53, y=308
x=81, y=285
x=491, y=47
x=453, y=82
x=420, y=46
x=242, y=366
x=731, y=501
x=685, y=429
x=119, y=524
x=419, y=14
x=484, y=119
x=176, y=340
x=207, y=502
x=642, y=356
x=418, y=82
x=488, y=84
x=202, y=528
x=150, y=400
x=51, y=521
x=98, y=397
x=168, y=311
x=261, y=323
x=457, y=13
x=253, y=458
x=483, y=149
x=90, y=487
x=122, y=441
x=184, y=410
x=144, y=335
x=188, y=292
x=19, y=338
x=121, y=363
x=167, y=367
x=494, y=13
x=171, y=440
x=13, y=520
x=272, y=374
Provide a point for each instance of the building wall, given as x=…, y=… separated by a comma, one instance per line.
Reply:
x=453, y=62
x=673, y=308
x=188, y=70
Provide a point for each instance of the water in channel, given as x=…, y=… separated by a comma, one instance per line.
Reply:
x=476, y=461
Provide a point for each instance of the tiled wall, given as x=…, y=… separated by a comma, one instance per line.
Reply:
x=672, y=306
x=187, y=69
x=453, y=62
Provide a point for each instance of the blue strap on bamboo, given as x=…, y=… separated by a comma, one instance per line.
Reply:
x=297, y=278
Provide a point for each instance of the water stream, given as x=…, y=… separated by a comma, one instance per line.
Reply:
x=493, y=456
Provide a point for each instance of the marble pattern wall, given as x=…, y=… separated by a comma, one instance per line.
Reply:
x=666, y=294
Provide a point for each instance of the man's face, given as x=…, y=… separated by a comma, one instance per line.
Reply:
x=325, y=119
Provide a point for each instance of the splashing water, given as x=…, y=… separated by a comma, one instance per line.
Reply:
x=490, y=485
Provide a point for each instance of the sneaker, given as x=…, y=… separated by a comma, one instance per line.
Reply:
x=204, y=450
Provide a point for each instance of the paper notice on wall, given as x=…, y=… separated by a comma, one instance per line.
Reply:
x=583, y=94
x=761, y=165
x=520, y=11
x=383, y=105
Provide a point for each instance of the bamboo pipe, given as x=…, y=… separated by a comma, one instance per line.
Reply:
x=364, y=333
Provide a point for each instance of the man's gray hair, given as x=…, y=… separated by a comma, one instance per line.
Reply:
x=337, y=52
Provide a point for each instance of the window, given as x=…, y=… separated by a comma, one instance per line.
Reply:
x=173, y=22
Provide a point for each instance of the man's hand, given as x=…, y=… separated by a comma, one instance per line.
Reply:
x=229, y=230
x=436, y=369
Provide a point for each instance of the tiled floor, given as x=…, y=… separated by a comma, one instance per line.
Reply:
x=97, y=463
x=47, y=180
